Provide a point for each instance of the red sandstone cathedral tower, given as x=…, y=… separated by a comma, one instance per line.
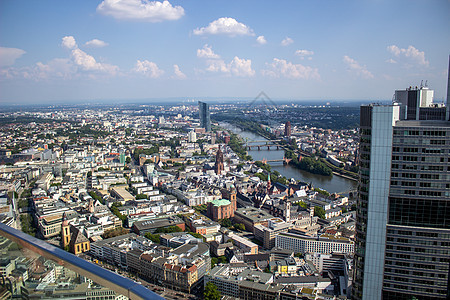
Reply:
x=218, y=167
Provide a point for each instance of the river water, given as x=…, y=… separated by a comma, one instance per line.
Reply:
x=333, y=184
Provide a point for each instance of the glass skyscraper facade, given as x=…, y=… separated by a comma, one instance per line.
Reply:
x=403, y=212
x=205, y=118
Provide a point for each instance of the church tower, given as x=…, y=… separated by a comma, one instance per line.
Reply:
x=287, y=212
x=91, y=206
x=218, y=167
x=65, y=232
x=233, y=199
x=269, y=184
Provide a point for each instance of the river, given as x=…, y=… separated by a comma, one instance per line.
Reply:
x=332, y=184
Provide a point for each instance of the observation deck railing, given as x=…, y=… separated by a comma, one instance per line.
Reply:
x=97, y=274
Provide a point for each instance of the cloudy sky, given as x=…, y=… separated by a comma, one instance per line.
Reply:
x=56, y=51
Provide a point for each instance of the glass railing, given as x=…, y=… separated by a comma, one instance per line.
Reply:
x=33, y=269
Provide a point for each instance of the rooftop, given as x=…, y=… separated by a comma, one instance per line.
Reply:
x=221, y=202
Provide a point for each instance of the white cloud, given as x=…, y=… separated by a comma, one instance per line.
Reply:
x=8, y=56
x=87, y=62
x=304, y=52
x=391, y=61
x=261, y=40
x=410, y=53
x=79, y=63
x=95, y=43
x=241, y=67
x=206, y=52
x=225, y=26
x=84, y=61
x=238, y=66
x=178, y=73
x=140, y=10
x=69, y=42
x=56, y=68
x=287, y=41
x=283, y=68
x=148, y=68
x=394, y=49
x=217, y=65
x=354, y=66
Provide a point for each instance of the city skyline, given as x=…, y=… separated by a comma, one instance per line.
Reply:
x=295, y=50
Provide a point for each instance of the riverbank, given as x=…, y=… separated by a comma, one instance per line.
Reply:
x=334, y=170
x=341, y=172
x=333, y=184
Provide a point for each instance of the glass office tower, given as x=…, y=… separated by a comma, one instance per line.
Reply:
x=403, y=212
x=205, y=119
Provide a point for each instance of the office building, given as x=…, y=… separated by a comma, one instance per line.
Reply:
x=267, y=234
x=402, y=221
x=325, y=244
x=287, y=129
x=205, y=118
x=192, y=136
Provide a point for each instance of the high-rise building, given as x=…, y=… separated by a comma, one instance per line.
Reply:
x=403, y=213
x=287, y=129
x=205, y=118
x=192, y=136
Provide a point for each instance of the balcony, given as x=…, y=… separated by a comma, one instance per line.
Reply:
x=33, y=269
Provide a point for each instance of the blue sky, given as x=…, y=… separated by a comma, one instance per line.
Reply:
x=56, y=51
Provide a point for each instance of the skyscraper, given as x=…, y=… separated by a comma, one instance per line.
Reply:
x=287, y=129
x=205, y=119
x=403, y=212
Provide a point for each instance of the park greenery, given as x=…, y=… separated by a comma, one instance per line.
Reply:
x=146, y=151
x=238, y=147
x=309, y=164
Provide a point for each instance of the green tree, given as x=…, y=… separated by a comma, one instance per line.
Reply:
x=239, y=227
x=214, y=261
x=26, y=221
x=153, y=237
x=319, y=212
x=225, y=223
x=195, y=234
x=169, y=229
x=211, y=292
x=96, y=197
x=302, y=204
x=322, y=192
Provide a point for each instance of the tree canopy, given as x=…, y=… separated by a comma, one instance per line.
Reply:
x=211, y=292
